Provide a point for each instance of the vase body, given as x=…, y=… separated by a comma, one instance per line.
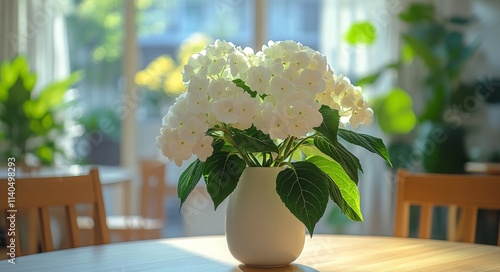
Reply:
x=260, y=230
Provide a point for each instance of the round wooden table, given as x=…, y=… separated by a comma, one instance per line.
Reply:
x=321, y=253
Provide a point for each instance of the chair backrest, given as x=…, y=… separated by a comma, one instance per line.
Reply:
x=41, y=193
x=469, y=192
x=153, y=189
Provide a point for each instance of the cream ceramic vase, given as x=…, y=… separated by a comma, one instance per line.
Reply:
x=260, y=230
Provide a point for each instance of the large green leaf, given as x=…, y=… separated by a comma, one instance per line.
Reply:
x=304, y=190
x=188, y=180
x=370, y=143
x=222, y=172
x=340, y=154
x=361, y=33
x=254, y=140
x=330, y=123
x=342, y=189
x=309, y=149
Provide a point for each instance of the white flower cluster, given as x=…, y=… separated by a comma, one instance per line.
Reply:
x=292, y=82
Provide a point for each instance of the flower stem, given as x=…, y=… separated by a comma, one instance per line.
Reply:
x=229, y=138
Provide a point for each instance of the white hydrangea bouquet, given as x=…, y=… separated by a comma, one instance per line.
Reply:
x=282, y=106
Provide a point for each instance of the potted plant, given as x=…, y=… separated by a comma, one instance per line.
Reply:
x=438, y=45
x=265, y=128
x=29, y=122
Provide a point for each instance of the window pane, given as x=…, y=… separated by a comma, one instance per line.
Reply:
x=95, y=34
x=296, y=20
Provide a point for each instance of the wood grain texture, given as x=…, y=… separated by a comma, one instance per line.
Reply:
x=321, y=253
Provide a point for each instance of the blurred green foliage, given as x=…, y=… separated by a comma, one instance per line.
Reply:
x=439, y=44
x=395, y=112
x=361, y=33
x=28, y=121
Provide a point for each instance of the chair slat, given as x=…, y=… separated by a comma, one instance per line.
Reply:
x=74, y=234
x=498, y=242
x=47, y=244
x=451, y=228
x=425, y=225
x=101, y=229
x=470, y=222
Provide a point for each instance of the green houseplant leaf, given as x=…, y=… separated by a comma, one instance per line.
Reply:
x=370, y=143
x=339, y=153
x=222, y=172
x=361, y=33
x=330, y=123
x=51, y=96
x=395, y=113
x=422, y=50
x=343, y=191
x=326, y=141
x=417, y=12
x=254, y=140
x=304, y=190
x=188, y=180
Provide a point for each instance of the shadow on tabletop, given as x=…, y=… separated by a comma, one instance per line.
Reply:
x=288, y=268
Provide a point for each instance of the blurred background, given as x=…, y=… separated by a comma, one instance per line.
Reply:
x=90, y=81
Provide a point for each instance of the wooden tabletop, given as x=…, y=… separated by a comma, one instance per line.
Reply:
x=321, y=253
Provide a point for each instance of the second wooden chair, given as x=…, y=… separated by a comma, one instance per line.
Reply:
x=468, y=192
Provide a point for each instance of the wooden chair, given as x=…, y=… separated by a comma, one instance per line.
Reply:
x=38, y=194
x=468, y=192
x=151, y=219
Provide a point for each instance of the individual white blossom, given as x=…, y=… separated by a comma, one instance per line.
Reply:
x=258, y=79
x=203, y=148
x=193, y=130
x=224, y=110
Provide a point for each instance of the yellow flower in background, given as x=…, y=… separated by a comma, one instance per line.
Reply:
x=174, y=83
x=193, y=44
x=164, y=73
x=161, y=66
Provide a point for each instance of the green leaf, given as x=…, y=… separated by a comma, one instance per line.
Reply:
x=343, y=190
x=330, y=123
x=438, y=91
x=422, y=50
x=310, y=150
x=395, y=113
x=339, y=153
x=370, y=79
x=254, y=140
x=240, y=83
x=52, y=95
x=222, y=172
x=188, y=180
x=361, y=33
x=418, y=12
x=304, y=190
x=370, y=143
x=459, y=20
x=407, y=54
